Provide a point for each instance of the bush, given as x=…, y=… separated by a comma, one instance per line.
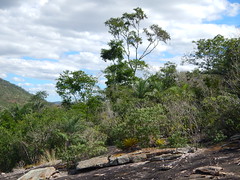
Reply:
x=222, y=114
x=143, y=124
x=177, y=140
x=130, y=143
x=66, y=133
x=160, y=143
x=9, y=150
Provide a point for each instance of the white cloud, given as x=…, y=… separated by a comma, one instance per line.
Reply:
x=43, y=2
x=24, y=85
x=3, y=75
x=44, y=29
x=49, y=88
x=17, y=79
x=34, y=88
x=233, y=9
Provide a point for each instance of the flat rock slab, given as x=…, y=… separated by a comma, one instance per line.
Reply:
x=37, y=174
x=166, y=157
x=138, y=158
x=96, y=162
x=152, y=152
x=209, y=170
x=124, y=158
x=235, y=137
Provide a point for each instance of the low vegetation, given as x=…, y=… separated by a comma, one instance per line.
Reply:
x=167, y=108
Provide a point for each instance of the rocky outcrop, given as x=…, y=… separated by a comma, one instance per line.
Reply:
x=36, y=174
x=212, y=172
x=233, y=143
x=209, y=170
x=97, y=162
x=166, y=157
x=148, y=154
x=217, y=162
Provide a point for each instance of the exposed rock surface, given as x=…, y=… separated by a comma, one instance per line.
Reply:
x=218, y=162
x=37, y=174
x=148, y=154
x=209, y=170
x=96, y=162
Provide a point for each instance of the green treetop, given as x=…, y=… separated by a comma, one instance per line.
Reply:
x=131, y=43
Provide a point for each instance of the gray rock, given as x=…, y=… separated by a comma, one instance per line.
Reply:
x=138, y=158
x=96, y=162
x=232, y=145
x=166, y=157
x=199, y=177
x=159, y=152
x=165, y=168
x=112, y=161
x=36, y=174
x=123, y=159
x=209, y=170
x=185, y=150
x=235, y=137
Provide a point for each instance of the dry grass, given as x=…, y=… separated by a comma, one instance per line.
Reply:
x=49, y=158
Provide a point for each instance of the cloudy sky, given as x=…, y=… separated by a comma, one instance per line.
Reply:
x=39, y=39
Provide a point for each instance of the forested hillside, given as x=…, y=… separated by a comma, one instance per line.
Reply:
x=163, y=109
x=11, y=94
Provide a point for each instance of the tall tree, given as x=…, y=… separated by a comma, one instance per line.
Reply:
x=128, y=44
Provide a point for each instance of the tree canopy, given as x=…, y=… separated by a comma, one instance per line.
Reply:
x=75, y=86
x=215, y=55
x=131, y=43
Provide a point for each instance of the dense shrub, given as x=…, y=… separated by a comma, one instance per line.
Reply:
x=64, y=132
x=222, y=115
x=143, y=124
x=9, y=150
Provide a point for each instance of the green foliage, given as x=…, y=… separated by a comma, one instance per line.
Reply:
x=51, y=129
x=141, y=88
x=162, y=81
x=115, y=53
x=160, y=143
x=222, y=113
x=233, y=78
x=218, y=136
x=9, y=153
x=129, y=143
x=37, y=101
x=215, y=55
x=75, y=86
x=129, y=38
x=119, y=74
x=122, y=100
x=168, y=75
x=143, y=124
x=177, y=140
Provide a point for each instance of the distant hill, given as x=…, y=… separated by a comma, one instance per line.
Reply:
x=57, y=102
x=12, y=94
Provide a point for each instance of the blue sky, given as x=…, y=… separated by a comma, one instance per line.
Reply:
x=42, y=38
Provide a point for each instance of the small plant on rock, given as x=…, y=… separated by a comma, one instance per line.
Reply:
x=130, y=143
x=160, y=142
